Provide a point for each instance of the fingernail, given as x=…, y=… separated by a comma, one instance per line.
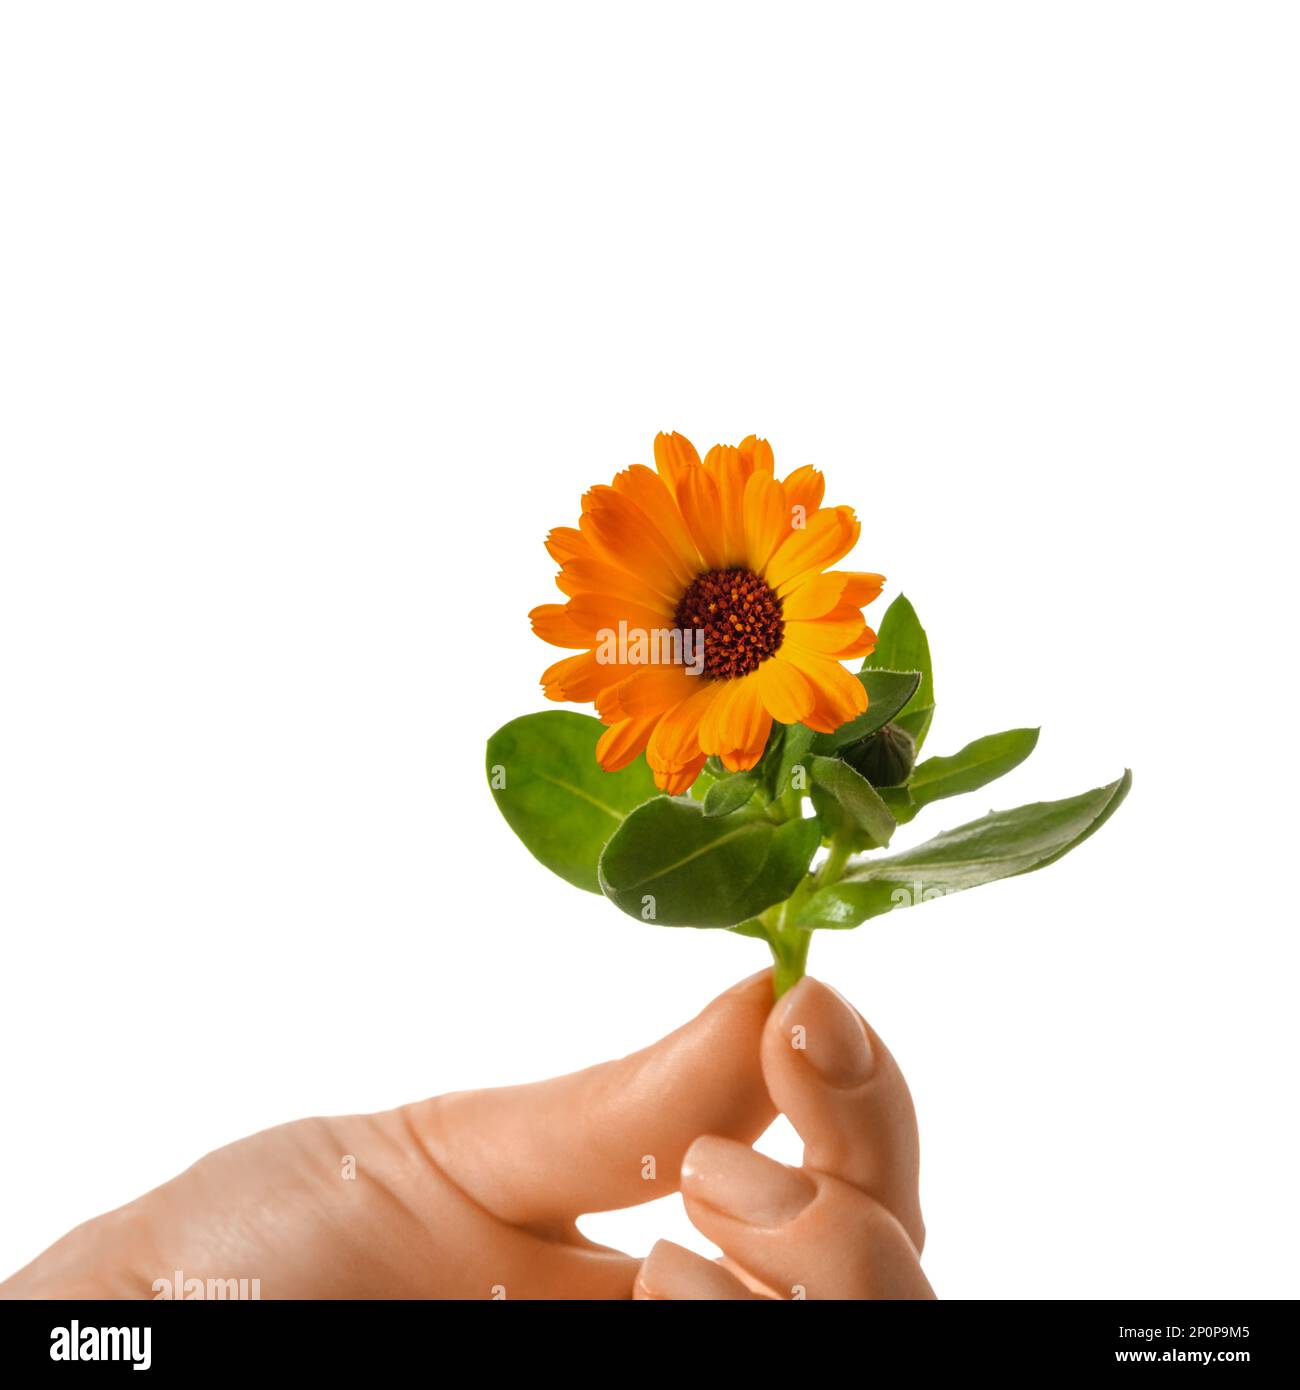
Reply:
x=825, y=1029
x=672, y=1271
x=733, y=1179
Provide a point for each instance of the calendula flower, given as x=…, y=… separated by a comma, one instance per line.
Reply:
x=702, y=610
x=702, y=606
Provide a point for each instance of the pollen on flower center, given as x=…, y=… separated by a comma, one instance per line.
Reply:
x=740, y=617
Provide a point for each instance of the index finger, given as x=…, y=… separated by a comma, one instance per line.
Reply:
x=613, y=1135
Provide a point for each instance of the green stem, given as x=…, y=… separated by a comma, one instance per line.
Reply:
x=790, y=944
x=834, y=864
x=791, y=959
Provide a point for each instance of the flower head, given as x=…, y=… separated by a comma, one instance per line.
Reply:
x=702, y=606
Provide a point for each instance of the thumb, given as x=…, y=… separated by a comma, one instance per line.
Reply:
x=613, y=1135
x=837, y=1084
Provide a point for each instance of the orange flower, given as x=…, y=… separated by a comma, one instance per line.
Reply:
x=702, y=606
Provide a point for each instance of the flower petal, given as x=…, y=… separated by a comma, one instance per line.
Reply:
x=804, y=489
x=588, y=575
x=862, y=645
x=675, y=742
x=673, y=452
x=552, y=623
x=862, y=588
x=728, y=468
x=649, y=491
x=580, y=679
x=653, y=689
x=817, y=594
x=621, y=742
x=757, y=454
x=828, y=537
x=737, y=724
x=679, y=782
x=839, y=696
x=829, y=634
x=767, y=521
x=566, y=543
x=784, y=689
x=598, y=614
x=697, y=495
x=620, y=534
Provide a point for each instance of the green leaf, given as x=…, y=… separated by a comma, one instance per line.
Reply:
x=670, y=863
x=718, y=770
x=901, y=645
x=753, y=927
x=999, y=845
x=899, y=802
x=975, y=766
x=781, y=760
x=699, y=788
x=555, y=796
x=887, y=693
x=858, y=801
x=730, y=794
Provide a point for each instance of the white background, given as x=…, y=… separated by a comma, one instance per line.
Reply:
x=315, y=317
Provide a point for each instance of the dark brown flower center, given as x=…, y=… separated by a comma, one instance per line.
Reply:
x=739, y=616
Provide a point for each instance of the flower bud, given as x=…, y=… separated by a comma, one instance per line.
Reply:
x=884, y=758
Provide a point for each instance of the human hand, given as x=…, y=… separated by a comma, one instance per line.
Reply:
x=475, y=1194
x=847, y=1224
